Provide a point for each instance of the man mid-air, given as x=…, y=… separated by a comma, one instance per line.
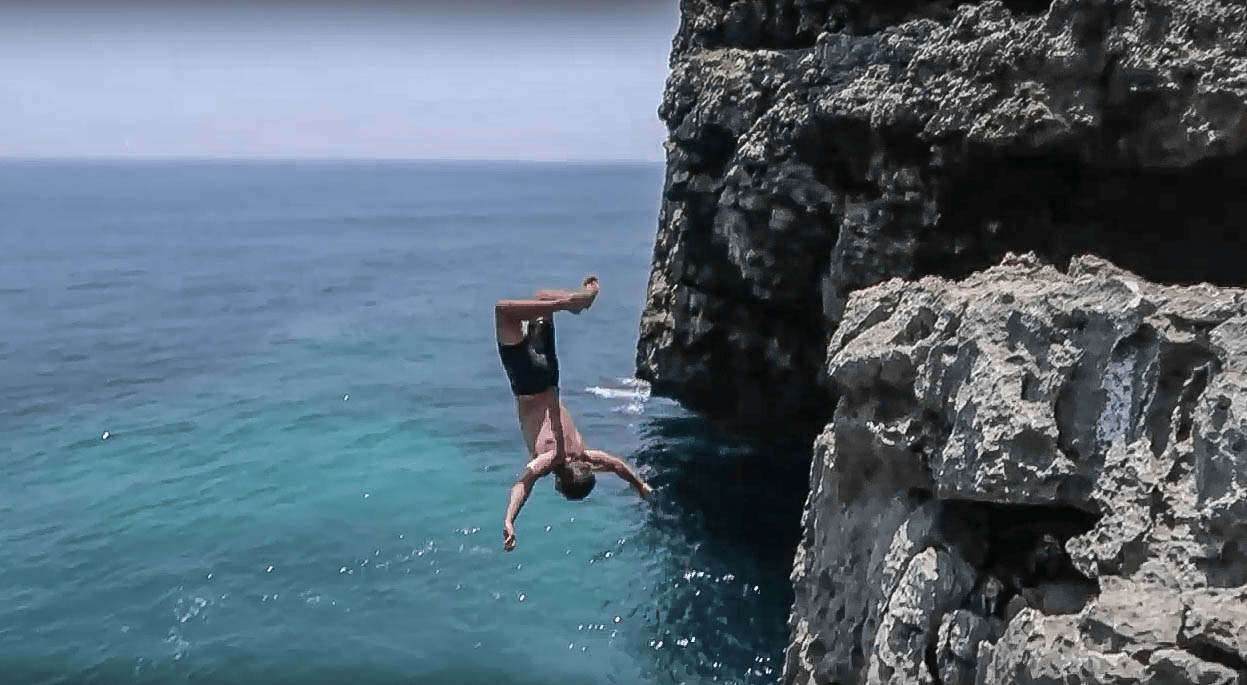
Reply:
x=526, y=345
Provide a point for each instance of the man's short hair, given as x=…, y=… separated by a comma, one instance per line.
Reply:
x=575, y=480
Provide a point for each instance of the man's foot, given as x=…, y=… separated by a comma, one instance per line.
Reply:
x=590, y=288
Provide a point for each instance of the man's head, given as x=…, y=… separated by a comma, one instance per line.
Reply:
x=574, y=480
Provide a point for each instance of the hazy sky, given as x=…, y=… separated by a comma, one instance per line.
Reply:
x=424, y=79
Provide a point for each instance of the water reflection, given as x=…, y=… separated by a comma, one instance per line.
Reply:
x=721, y=536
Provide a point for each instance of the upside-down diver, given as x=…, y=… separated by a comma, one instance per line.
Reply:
x=526, y=346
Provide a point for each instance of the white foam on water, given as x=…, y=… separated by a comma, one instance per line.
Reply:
x=617, y=393
x=635, y=390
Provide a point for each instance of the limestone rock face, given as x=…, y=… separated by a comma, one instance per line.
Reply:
x=1031, y=476
x=1031, y=464
x=817, y=147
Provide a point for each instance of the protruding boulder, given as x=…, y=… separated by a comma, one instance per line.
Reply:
x=1053, y=451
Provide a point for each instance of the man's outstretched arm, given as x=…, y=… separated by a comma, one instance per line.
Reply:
x=519, y=495
x=607, y=462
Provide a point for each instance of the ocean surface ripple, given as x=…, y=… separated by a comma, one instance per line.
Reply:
x=256, y=430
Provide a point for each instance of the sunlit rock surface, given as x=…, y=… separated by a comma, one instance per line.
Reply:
x=1030, y=475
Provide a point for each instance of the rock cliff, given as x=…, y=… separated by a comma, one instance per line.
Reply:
x=1030, y=475
x=819, y=146
x=1031, y=464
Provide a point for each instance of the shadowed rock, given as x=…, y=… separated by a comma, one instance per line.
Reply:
x=817, y=147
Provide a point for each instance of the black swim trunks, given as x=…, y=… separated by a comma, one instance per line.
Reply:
x=531, y=364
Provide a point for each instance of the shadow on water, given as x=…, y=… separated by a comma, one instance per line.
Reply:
x=721, y=535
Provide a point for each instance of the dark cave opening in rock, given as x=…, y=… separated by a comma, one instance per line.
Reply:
x=838, y=149
x=1167, y=225
x=1216, y=654
x=711, y=152
x=871, y=16
x=1229, y=567
x=1020, y=550
x=795, y=24
x=1020, y=7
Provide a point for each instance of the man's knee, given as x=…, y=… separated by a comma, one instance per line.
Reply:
x=504, y=312
x=509, y=326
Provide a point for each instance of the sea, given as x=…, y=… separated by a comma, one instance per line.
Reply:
x=254, y=428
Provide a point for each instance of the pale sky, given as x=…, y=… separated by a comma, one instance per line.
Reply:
x=425, y=79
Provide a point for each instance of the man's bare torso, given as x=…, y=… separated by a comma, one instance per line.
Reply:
x=536, y=425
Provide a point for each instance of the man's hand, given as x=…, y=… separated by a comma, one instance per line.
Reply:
x=645, y=491
x=519, y=495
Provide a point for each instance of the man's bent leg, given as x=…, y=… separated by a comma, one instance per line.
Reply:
x=510, y=328
x=509, y=315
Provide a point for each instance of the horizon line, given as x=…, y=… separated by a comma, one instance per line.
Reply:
x=326, y=159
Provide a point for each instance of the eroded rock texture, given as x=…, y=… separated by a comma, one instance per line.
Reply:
x=817, y=147
x=1031, y=476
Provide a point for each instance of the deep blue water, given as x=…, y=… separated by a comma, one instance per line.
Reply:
x=310, y=437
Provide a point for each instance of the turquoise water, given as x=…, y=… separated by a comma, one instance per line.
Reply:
x=310, y=439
